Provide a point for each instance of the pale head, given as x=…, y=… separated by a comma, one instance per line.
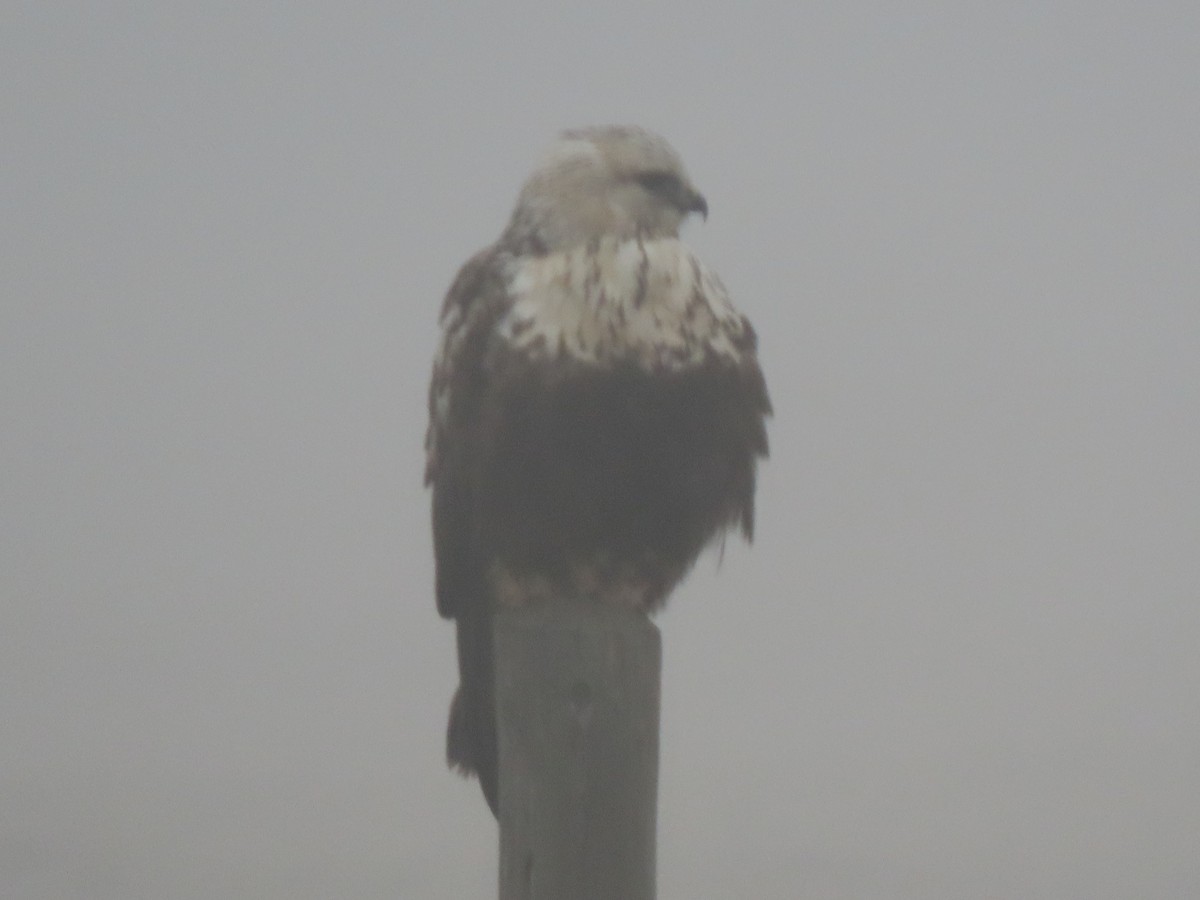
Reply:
x=610, y=181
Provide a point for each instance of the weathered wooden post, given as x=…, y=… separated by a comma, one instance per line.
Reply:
x=577, y=699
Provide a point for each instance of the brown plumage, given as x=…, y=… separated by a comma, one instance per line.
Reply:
x=597, y=409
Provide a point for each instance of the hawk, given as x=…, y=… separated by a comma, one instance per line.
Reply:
x=596, y=412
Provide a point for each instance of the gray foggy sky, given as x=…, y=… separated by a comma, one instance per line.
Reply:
x=960, y=660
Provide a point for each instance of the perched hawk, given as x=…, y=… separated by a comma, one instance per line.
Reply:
x=596, y=412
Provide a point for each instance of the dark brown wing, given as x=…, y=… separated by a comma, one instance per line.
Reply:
x=469, y=313
x=752, y=413
x=454, y=445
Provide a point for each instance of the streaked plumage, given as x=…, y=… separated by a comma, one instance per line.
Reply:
x=596, y=409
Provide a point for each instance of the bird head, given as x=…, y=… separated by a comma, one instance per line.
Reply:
x=612, y=181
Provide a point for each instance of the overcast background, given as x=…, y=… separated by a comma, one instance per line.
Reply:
x=962, y=659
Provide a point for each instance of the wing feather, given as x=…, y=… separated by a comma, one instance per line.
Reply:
x=474, y=302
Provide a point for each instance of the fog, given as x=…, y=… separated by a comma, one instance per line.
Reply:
x=960, y=659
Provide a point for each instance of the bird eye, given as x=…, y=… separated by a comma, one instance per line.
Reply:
x=663, y=183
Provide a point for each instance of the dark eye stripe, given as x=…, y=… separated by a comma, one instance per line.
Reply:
x=663, y=183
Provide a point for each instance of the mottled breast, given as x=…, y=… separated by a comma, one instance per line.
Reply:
x=650, y=302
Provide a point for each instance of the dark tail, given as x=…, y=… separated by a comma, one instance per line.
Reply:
x=471, y=732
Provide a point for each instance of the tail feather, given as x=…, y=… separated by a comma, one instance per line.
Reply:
x=458, y=749
x=471, y=743
x=471, y=747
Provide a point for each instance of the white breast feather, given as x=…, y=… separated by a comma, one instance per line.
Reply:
x=649, y=302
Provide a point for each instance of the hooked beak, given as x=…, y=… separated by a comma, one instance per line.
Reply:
x=697, y=204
